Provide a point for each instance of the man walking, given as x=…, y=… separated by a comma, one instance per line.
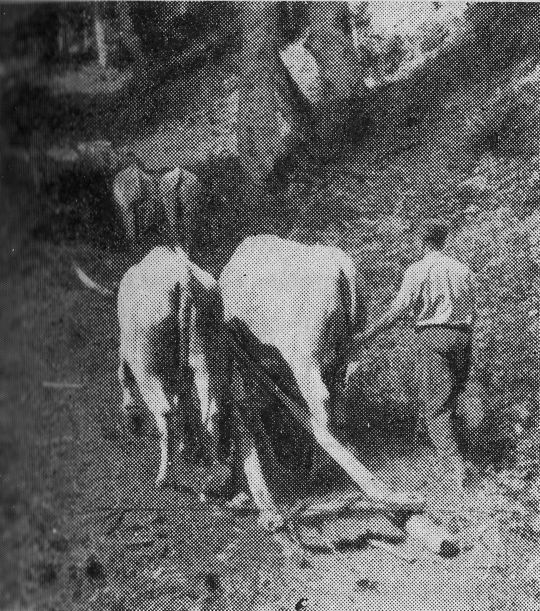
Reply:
x=438, y=291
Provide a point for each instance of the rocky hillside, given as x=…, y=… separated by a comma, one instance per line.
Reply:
x=450, y=119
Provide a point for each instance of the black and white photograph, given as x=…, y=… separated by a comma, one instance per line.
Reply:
x=270, y=306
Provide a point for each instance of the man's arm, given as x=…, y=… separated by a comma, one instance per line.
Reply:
x=404, y=300
x=386, y=321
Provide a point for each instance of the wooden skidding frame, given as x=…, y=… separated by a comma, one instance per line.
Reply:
x=332, y=446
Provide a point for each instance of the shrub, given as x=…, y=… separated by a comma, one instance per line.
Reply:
x=496, y=246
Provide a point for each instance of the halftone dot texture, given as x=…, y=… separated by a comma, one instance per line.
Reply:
x=367, y=121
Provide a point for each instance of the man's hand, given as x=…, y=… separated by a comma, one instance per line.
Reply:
x=386, y=321
x=352, y=368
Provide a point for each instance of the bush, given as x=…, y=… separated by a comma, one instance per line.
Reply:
x=496, y=246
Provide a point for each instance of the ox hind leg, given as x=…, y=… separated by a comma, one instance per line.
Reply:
x=126, y=214
x=126, y=385
x=209, y=363
x=317, y=397
x=269, y=517
x=207, y=399
x=130, y=415
x=208, y=380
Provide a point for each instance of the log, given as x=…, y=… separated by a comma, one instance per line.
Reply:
x=345, y=531
x=357, y=529
x=380, y=528
x=312, y=538
x=393, y=551
x=330, y=42
x=349, y=502
x=270, y=124
x=336, y=503
x=366, y=481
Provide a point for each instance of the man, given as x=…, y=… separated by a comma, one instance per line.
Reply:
x=438, y=291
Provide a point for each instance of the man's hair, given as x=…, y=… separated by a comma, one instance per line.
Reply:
x=434, y=232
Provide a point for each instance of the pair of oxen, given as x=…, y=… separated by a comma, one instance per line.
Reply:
x=281, y=301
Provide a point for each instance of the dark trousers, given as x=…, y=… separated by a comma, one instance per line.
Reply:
x=442, y=369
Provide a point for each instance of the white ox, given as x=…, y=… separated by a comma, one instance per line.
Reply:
x=303, y=301
x=170, y=314
x=170, y=317
x=143, y=198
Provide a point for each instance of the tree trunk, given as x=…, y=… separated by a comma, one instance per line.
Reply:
x=86, y=45
x=99, y=32
x=128, y=35
x=330, y=42
x=62, y=38
x=269, y=125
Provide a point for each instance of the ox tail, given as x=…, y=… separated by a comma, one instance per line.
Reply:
x=347, y=297
x=91, y=284
x=352, y=289
x=185, y=309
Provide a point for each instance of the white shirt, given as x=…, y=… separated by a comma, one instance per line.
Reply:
x=439, y=290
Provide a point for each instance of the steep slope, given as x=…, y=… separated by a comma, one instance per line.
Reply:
x=458, y=139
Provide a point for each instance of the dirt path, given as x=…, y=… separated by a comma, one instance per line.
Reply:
x=71, y=491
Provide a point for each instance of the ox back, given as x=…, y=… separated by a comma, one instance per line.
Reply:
x=293, y=308
x=296, y=301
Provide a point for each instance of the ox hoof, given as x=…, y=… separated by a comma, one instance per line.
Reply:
x=270, y=521
x=240, y=501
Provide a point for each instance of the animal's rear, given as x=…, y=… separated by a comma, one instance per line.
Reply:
x=148, y=301
x=126, y=186
x=285, y=292
x=266, y=288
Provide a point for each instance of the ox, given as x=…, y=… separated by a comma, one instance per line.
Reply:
x=304, y=303
x=144, y=198
x=171, y=324
x=170, y=314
